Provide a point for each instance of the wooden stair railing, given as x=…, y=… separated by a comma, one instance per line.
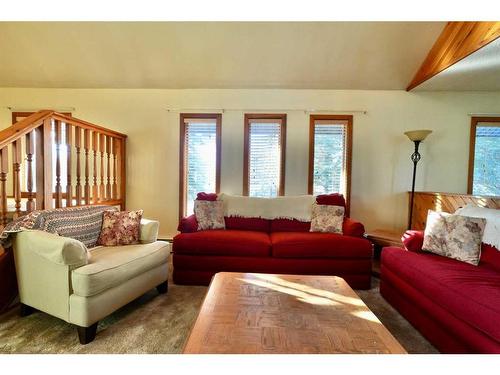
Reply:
x=46, y=150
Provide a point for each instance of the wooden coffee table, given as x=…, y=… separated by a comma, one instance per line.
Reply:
x=264, y=313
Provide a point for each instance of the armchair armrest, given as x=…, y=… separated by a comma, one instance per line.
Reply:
x=353, y=228
x=149, y=230
x=57, y=249
x=413, y=240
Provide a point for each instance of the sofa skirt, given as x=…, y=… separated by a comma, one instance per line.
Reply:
x=199, y=270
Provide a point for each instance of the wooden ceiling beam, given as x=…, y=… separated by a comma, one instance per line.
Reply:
x=457, y=41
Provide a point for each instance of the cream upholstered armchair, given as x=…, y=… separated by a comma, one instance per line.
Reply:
x=57, y=275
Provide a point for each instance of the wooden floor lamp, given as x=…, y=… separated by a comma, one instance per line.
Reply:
x=416, y=136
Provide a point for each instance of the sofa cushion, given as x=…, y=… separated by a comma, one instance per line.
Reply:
x=287, y=225
x=318, y=245
x=247, y=223
x=470, y=293
x=112, y=266
x=223, y=242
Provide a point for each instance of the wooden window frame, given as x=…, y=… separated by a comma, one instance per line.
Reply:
x=472, y=146
x=246, y=148
x=182, y=155
x=348, y=167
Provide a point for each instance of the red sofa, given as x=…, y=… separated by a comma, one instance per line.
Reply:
x=455, y=305
x=270, y=246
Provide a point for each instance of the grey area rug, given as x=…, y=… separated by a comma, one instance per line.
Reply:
x=158, y=324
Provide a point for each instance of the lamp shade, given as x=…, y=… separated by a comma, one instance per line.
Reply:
x=417, y=135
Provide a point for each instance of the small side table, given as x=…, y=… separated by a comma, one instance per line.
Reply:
x=381, y=238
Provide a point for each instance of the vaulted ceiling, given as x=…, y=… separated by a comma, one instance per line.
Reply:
x=314, y=55
x=479, y=71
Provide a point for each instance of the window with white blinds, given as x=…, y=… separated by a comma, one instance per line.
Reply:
x=200, y=142
x=330, y=155
x=264, y=155
x=486, y=158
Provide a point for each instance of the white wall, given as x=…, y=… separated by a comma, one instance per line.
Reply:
x=381, y=155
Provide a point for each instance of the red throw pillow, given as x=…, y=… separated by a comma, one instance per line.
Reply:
x=206, y=196
x=120, y=228
x=413, y=240
x=334, y=199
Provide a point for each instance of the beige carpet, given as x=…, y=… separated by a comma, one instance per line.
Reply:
x=158, y=324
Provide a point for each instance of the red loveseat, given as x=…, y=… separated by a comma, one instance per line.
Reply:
x=270, y=246
x=455, y=305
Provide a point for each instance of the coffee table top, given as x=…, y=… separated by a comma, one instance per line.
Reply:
x=265, y=313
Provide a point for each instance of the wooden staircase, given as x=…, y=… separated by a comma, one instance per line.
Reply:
x=50, y=160
x=59, y=161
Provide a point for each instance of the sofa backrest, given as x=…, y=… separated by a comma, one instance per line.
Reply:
x=248, y=223
x=288, y=207
x=281, y=214
x=287, y=225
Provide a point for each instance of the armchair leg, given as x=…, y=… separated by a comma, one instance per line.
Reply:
x=87, y=334
x=26, y=310
x=162, y=288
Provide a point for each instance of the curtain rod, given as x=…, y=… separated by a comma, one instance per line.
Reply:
x=223, y=110
x=27, y=109
x=483, y=114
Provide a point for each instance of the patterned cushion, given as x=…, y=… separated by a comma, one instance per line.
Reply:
x=80, y=223
x=209, y=214
x=454, y=236
x=327, y=218
x=120, y=228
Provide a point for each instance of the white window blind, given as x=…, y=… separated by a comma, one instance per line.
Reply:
x=264, y=153
x=200, y=158
x=329, y=174
x=487, y=160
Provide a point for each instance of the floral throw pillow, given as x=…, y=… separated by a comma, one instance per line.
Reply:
x=454, y=236
x=327, y=218
x=209, y=214
x=120, y=228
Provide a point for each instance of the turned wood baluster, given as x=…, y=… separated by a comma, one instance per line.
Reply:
x=43, y=161
x=115, y=167
x=122, y=171
x=69, y=186
x=102, y=185
x=30, y=150
x=95, y=147
x=78, y=145
x=58, y=139
x=86, y=146
x=108, y=169
x=16, y=168
x=4, y=169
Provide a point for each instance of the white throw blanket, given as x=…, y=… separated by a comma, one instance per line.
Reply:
x=293, y=207
x=491, y=235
